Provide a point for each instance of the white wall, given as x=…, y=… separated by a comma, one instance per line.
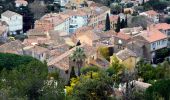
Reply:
x=15, y=22
x=159, y=44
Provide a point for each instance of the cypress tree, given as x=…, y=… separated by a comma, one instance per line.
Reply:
x=122, y=24
x=107, y=24
x=126, y=21
x=118, y=25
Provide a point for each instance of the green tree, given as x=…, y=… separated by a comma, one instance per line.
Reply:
x=72, y=73
x=104, y=51
x=78, y=57
x=107, y=23
x=118, y=26
x=26, y=78
x=159, y=90
x=87, y=69
x=96, y=88
x=115, y=69
x=122, y=24
x=126, y=21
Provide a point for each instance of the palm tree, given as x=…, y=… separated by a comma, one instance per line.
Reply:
x=78, y=56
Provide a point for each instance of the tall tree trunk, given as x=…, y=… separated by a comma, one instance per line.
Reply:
x=78, y=65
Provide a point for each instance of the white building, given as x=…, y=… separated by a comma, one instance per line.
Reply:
x=78, y=19
x=19, y=3
x=58, y=22
x=14, y=21
x=62, y=3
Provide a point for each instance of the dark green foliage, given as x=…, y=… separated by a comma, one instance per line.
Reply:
x=87, y=69
x=160, y=89
x=78, y=58
x=158, y=5
x=150, y=73
x=107, y=23
x=167, y=20
x=72, y=73
x=10, y=61
x=122, y=24
x=25, y=77
x=98, y=88
x=118, y=26
x=162, y=53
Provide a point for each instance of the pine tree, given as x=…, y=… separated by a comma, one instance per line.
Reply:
x=107, y=24
x=118, y=25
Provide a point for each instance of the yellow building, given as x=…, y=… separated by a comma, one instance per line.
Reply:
x=126, y=57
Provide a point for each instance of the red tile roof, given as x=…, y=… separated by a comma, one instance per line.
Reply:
x=153, y=35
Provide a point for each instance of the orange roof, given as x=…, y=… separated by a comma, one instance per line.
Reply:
x=151, y=12
x=163, y=26
x=123, y=36
x=153, y=35
x=120, y=35
x=21, y=2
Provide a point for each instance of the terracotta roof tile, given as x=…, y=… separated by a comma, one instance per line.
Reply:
x=153, y=35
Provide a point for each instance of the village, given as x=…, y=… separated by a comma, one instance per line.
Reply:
x=124, y=30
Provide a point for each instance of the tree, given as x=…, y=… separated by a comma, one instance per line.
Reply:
x=78, y=57
x=167, y=20
x=118, y=25
x=72, y=73
x=115, y=8
x=37, y=8
x=104, y=51
x=23, y=81
x=122, y=24
x=87, y=69
x=126, y=21
x=96, y=88
x=26, y=78
x=137, y=21
x=159, y=90
x=115, y=69
x=107, y=24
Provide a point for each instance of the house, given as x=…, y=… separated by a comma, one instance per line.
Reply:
x=126, y=57
x=12, y=47
x=120, y=39
x=37, y=52
x=113, y=21
x=14, y=21
x=55, y=21
x=78, y=18
x=153, y=40
x=3, y=31
x=131, y=31
x=152, y=15
x=75, y=4
x=164, y=28
x=45, y=25
x=34, y=33
x=62, y=3
x=19, y=3
x=98, y=15
x=86, y=35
